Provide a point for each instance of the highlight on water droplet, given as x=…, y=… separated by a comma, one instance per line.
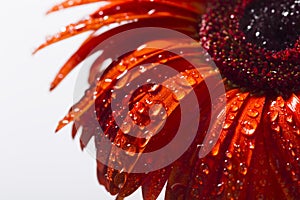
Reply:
x=243, y=168
x=249, y=127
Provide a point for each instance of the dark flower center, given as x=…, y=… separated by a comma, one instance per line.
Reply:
x=272, y=24
x=255, y=43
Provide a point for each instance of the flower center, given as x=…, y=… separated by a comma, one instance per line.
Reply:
x=273, y=24
x=255, y=43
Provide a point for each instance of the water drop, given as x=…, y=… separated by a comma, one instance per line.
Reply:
x=252, y=113
x=243, y=168
x=179, y=94
x=130, y=150
x=120, y=179
x=240, y=184
x=220, y=188
x=155, y=109
x=205, y=168
x=289, y=118
x=126, y=127
x=226, y=125
x=273, y=115
x=249, y=127
x=231, y=116
x=275, y=127
x=280, y=102
x=191, y=80
x=215, y=151
x=251, y=145
x=228, y=154
x=228, y=164
x=234, y=108
x=240, y=98
x=155, y=88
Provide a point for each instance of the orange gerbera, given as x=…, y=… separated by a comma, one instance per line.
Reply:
x=256, y=47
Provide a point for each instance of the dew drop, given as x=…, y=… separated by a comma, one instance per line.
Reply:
x=120, y=141
x=205, y=168
x=179, y=94
x=243, y=168
x=126, y=127
x=288, y=166
x=234, y=108
x=220, y=188
x=156, y=109
x=120, y=179
x=199, y=179
x=289, y=119
x=226, y=125
x=257, y=105
x=191, y=80
x=297, y=131
x=228, y=154
x=249, y=127
x=239, y=184
x=215, y=151
x=121, y=67
x=148, y=101
x=121, y=82
x=130, y=150
x=273, y=115
x=294, y=176
x=228, y=164
x=252, y=113
x=275, y=127
x=240, y=98
x=280, y=102
x=155, y=88
x=231, y=116
x=140, y=107
x=251, y=145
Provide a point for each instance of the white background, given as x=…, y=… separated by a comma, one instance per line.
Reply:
x=36, y=163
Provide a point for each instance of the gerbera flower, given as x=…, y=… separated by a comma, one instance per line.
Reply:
x=256, y=47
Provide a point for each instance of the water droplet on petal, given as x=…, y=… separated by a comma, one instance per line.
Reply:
x=243, y=168
x=191, y=80
x=273, y=115
x=179, y=94
x=126, y=127
x=289, y=118
x=155, y=88
x=155, y=109
x=294, y=176
x=226, y=125
x=252, y=113
x=205, y=168
x=251, y=145
x=228, y=164
x=215, y=151
x=234, y=108
x=239, y=184
x=280, y=102
x=231, y=116
x=228, y=154
x=249, y=127
x=240, y=98
x=275, y=127
x=120, y=179
x=130, y=150
x=257, y=105
x=220, y=188
x=121, y=67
